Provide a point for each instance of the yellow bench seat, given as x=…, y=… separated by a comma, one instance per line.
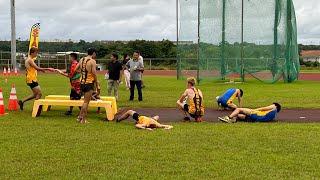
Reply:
x=63, y=97
x=38, y=104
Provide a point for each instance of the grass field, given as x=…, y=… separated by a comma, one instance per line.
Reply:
x=56, y=147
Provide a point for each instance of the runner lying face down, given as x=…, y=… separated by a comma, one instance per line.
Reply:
x=226, y=101
x=194, y=97
x=264, y=114
x=144, y=122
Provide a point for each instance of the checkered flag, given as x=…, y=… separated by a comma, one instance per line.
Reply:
x=36, y=26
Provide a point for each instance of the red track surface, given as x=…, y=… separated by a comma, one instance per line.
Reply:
x=303, y=76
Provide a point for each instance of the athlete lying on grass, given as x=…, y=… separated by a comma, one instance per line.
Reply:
x=144, y=122
x=264, y=114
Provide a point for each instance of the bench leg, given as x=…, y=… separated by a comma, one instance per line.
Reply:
x=114, y=107
x=109, y=112
x=46, y=108
x=35, y=109
x=39, y=111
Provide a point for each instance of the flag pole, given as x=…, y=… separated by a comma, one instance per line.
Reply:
x=13, y=35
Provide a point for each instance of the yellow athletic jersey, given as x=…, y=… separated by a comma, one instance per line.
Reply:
x=86, y=77
x=234, y=95
x=145, y=120
x=195, y=105
x=260, y=113
x=31, y=73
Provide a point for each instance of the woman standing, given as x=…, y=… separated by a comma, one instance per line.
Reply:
x=126, y=71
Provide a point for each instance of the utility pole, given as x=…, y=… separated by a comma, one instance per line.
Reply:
x=13, y=35
x=242, y=42
x=198, y=53
x=177, y=26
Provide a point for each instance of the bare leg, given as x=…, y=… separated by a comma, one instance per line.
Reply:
x=181, y=108
x=36, y=94
x=29, y=98
x=126, y=115
x=158, y=125
x=238, y=111
x=84, y=109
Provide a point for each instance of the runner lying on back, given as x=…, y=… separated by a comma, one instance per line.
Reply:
x=264, y=114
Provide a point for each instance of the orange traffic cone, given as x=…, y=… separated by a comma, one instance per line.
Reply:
x=9, y=71
x=2, y=110
x=13, y=100
x=5, y=75
x=4, y=71
x=16, y=72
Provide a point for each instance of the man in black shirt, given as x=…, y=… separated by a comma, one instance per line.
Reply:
x=114, y=71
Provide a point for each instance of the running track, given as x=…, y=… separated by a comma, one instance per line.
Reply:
x=211, y=115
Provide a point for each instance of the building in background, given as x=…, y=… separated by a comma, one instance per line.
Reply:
x=311, y=56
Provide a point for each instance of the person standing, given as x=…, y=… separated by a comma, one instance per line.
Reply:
x=88, y=81
x=136, y=69
x=31, y=77
x=114, y=71
x=126, y=71
x=74, y=77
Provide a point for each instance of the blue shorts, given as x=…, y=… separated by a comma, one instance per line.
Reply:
x=223, y=102
x=266, y=118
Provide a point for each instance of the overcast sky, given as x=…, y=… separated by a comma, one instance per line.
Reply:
x=120, y=19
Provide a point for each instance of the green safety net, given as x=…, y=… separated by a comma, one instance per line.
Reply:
x=223, y=39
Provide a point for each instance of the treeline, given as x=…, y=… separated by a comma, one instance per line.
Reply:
x=308, y=47
x=149, y=49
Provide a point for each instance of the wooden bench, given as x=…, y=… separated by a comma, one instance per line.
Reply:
x=38, y=104
x=62, y=97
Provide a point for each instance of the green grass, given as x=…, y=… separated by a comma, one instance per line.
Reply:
x=56, y=147
x=164, y=92
x=310, y=71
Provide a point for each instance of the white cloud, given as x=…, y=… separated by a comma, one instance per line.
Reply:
x=120, y=19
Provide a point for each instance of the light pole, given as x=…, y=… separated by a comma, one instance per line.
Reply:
x=13, y=35
x=177, y=26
